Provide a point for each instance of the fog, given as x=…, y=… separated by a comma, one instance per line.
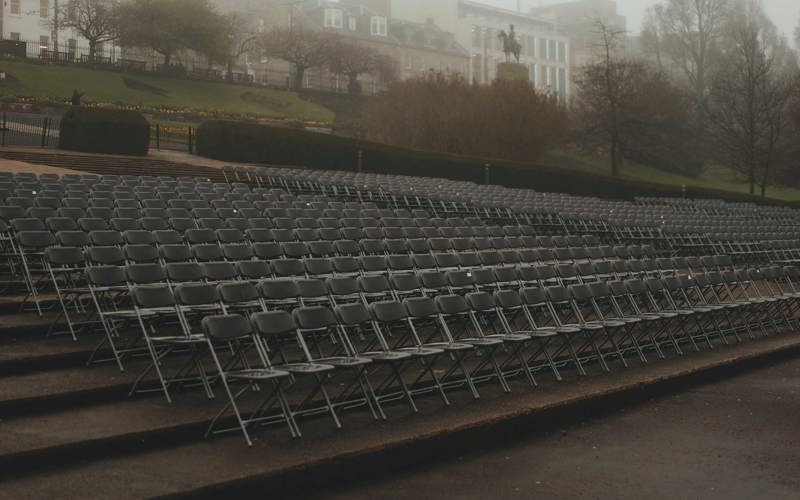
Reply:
x=785, y=13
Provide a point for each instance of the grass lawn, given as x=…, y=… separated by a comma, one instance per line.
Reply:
x=58, y=82
x=712, y=178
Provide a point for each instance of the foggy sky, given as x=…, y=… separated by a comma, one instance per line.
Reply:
x=785, y=13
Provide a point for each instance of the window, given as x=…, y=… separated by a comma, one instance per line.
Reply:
x=44, y=8
x=562, y=51
x=99, y=49
x=352, y=23
x=15, y=9
x=44, y=42
x=531, y=42
x=532, y=74
x=72, y=45
x=562, y=84
x=542, y=48
x=377, y=26
x=333, y=18
x=15, y=36
x=551, y=50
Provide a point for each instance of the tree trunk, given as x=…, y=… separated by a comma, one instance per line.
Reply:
x=92, y=49
x=299, y=75
x=230, y=70
x=614, y=155
x=167, y=58
x=353, y=86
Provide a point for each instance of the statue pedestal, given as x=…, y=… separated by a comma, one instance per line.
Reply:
x=512, y=71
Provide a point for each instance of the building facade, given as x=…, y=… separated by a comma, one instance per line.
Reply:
x=415, y=47
x=545, y=48
x=578, y=20
x=31, y=21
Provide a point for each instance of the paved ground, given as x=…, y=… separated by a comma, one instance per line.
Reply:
x=737, y=438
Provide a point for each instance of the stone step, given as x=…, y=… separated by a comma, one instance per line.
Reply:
x=99, y=456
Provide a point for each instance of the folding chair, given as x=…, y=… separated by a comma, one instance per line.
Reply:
x=236, y=333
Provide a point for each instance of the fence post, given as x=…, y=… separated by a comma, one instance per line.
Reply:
x=5, y=127
x=190, y=140
x=486, y=173
x=158, y=137
x=44, y=131
x=360, y=160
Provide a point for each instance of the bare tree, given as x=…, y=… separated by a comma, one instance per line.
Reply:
x=94, y=20
x=751, y=96
x=605, y=89
x=688, y=32
x=352, y=60
x=241, y=39
x=304, y=48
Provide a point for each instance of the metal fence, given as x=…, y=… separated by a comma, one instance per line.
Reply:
x=172, y=137
x=25, y=129
x=42, y=131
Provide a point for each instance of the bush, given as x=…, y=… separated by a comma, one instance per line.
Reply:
x=98, y=130
x=508, y=119
x=252, y=143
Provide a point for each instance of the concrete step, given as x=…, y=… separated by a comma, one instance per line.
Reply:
x=112, y=164
x=99, y=456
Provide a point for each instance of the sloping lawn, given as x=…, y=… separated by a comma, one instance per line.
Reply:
x=712, y=178
x=58, y=82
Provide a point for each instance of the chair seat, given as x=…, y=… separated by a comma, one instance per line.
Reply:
x=483, y=342
x=387, y=356
x=345, y=361
x=265, y=374
x=180, y=339
x=305, y=368
x=422, y=352
x=451, y=346
x=510, y=337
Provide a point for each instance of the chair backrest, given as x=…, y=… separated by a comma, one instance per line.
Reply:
x=145, y=273
x=421, y=307
x=148, y=296
x=353, y=314
x=481, y=301
x=195, y=294
x=273, y=323
x=389, y=311
x=314, y=318
x=279, y=289
x=228, y=327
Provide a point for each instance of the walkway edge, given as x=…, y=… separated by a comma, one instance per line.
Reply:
x=373, y=462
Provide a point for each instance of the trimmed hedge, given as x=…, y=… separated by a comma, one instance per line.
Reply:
x=252, y=143
x=101, y=130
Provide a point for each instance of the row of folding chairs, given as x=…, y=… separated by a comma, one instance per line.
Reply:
x=677, y=312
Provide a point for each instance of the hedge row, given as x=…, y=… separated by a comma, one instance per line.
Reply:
x=100, y=130
x=252, y=143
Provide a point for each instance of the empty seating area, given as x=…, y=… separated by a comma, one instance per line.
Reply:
x=285, y=294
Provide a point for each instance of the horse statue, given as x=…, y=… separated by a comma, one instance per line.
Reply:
x=510, y=44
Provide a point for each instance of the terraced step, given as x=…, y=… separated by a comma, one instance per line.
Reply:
x=101, y=457
x=35, y=352
x=113, y=164
x=55, y=389
x=36, y=442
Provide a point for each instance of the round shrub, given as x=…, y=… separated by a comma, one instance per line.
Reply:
x=101, y=130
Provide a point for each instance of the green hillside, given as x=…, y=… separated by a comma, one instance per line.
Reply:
x=712, y=178
x=57, y=83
